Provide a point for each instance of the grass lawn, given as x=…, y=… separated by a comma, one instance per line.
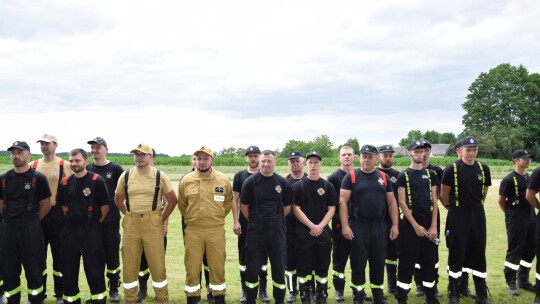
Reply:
x=496, y=249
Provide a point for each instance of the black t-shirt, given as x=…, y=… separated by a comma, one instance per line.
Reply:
x=470, y=188
x=509, y=187
x=18, y=187
x=438, y=170
x=239, y=178
x=393, y=174
x=81, y=192
x=291, y=180
x=335, y=179
x=534, y=180
x=111, y=173
x=368, y=194
x=314, y=198
x=269, y=194
x=419, y=183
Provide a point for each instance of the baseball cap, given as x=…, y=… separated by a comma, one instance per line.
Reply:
x=386, y=148
x=98, y=140
x=22, y=145
x=459, y=143
x=369, y=149
x=144, y=148
x=521, y=154
x=425, y=143
x=415, y=144
x=313, y=154
x=48, y=138
x=253, y=149
x=205, y=150
x=295, y=154
x=469, y=141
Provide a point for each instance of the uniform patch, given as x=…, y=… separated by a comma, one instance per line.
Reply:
x=393, y=179
x=320, y=191
x=55, y=172
x=218, y=190
x=479, y=177
x=278, y=188
x=27, y=186
x=109, y=175
x=424, y=176
x=86, y=191
x=219, y=198
x=381, y=181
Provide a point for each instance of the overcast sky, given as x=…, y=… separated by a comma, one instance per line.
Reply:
x=181, y=74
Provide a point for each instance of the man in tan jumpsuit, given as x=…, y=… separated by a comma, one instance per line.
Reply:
x=205, y=199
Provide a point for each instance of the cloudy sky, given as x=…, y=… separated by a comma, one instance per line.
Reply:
x=180, y=74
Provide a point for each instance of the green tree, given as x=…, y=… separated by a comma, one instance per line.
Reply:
x=294, y=145
x=351, y=142
x=322, y=144
x=412, y=135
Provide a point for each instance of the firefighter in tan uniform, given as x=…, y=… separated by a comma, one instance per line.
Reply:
x=137, y=195
x=205, y=199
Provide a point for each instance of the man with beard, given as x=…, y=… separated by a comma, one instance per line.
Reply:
x=110, y=172
x=532, y=189
x=418, y=201
x=341, y=247
x=137, y=195
x=266, y=198
x=296, y=165
x=240, y=222
x=25, y=200
x=205, y=199
x=365, y=196
x=386, y=161
x=85, y=200
x=54, y=169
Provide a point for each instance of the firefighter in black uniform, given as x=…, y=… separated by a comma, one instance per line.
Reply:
x=363, y=222
x=464, y=188
x=520, y=224
x=85, y=200
x=240, y=222
x=110, y=171
x=417, y=191
x=314, y=205
x=341, y=247
x=265, y=200
x=296, y=164
x=532, y=190
x=386, y=161
x=25, y=200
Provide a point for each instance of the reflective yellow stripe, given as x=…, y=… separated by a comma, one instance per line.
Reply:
x=264, y=267
x=12, y=292
x=390, y=262
x=409, y=199
x=304, y=279
x=99, y=296
x=320, y=279
x=206, y=268
x=144, y=272
x=72, y=298
x=252, y=285
x=373, y=286
x=340, y=275
x=358, y=288
x=456, y=192
x=35, y=292
x=242, y=268
x=113, y=271
x=1, y=283
x=517, y=191
x=44, y=273
x=56, y=273
x=277, y=285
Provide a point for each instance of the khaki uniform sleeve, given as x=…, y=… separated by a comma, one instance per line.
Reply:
x=228, y=198
x=182, y=201
x=120, y=185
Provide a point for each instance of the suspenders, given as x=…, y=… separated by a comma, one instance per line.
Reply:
x=90, y=203
x=156, y=191
x=31, y=195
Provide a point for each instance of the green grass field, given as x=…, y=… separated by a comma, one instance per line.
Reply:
x=496, y=250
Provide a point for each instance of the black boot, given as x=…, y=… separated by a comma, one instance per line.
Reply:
x=219, y=299
x=464, y=286
x=391, y=278
x=378, y=296
x=243, y=285
x=193, y=300
x=510, y=277
x=523, y=279
x=322, y=293
x=339, y=286
x=401, y=295
x=359, y=296
x=312, y=290
x=143, y=289
x=305, y=296
x=291, y=280
x=431, y=297
x=251, y=294
x=114, y=297
x=263, y=294
x=418, y=282
x=481, y=291
x=453, y=290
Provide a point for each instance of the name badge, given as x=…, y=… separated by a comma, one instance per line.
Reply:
x=219, y=198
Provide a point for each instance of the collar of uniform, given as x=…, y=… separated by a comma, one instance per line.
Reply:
x=209, y=176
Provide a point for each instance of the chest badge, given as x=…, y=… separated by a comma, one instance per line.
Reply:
x=479, y=177
x=381, y=182
x=320, y=191
x=219, y=189
x=109, y=175
x=26, y=186
x=86, y=191
x=278, y=188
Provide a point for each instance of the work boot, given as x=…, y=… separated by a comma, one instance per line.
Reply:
x=453, y=291
x=263, y=295
x=243, y=297
x=60, y=300
x=418, y=282
x=291, y=298
x=305, y=296
x=322, y=293
x=359, y=296
x=481, y=291
x=536, y=300
x=391, y=278
x=523, y=279
x=401, y=295
x=464, y=286
x=510, y=277
x=339, y=296
x=219, y=299
x=378, y=296
x=114, y=297
x=251, y=294
x=291, y=280
x=210, y=297
x=193, y=300
x=143, y=289
x=431, y=297
x=312, y=290
x=339, y=286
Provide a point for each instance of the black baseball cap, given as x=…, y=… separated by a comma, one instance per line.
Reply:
x=458, y=144
x=313, y=154
x=98, y=140
x=369, y=149
x=415, y=144
x=295, y=154
x=22, y=145
x=253, y=149
x=469, y=141
x=386, y=148
x=425, y=143
x=521, y=154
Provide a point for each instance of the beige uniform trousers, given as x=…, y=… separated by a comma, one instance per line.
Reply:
x=144, y=230
x=197, y=242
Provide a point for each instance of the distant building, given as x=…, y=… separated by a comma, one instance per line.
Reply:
x=436, y=150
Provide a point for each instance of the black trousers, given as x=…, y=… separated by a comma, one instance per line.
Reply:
x=520, y=232
x=314, y=253
x=466, y=240
x=242, y=253
x=290, y=221
x=414, y=249
x=21, y=243
x=111, y=247
x=265, y=238
x=341, y=248
x=53, y=225
x=83, y=241
x=368, y=244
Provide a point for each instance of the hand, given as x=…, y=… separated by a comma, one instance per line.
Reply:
x=432, y=233
x=165, y=228
x=315, y=230
x=419, y=230
x=237, y=228
x=394, y=232
x=347, y=233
